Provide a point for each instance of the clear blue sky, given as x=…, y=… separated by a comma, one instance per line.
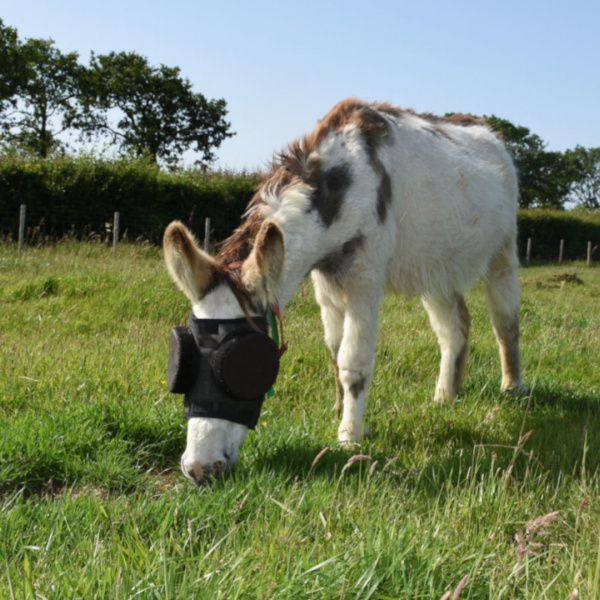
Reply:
x=282, y=65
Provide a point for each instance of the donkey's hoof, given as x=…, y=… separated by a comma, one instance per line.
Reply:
x=348, y=444
x=518, y=390
x=349, y=437
x=441, y=396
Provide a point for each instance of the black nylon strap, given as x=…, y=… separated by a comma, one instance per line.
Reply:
x=244, y=413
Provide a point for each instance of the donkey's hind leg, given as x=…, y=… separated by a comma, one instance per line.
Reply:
x=450, y=321
x=503, y=292
x=332, y=315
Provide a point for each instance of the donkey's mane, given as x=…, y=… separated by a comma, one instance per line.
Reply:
x=237, y=247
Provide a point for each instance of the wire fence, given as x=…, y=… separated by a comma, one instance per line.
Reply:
x=33, y=231
x=36, y=230
x=532, y=251
x=50, y=228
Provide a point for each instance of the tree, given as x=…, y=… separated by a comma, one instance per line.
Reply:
x=545, y=178
x=11, y=67
x=160, y=115
x=46, y=90
x=585, y=189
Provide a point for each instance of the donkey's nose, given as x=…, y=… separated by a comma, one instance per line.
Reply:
x=200, y=473
x=194, y=472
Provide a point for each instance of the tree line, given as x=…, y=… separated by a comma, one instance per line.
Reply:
x=551, y=179
x=45, y=93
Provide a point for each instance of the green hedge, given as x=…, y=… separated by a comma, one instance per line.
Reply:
x=547, y=227
x=79, y=195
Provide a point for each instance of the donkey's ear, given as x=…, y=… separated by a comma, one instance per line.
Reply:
x=262, y=269
x=190, y=267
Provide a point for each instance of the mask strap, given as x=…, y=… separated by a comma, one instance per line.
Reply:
x=274, y=314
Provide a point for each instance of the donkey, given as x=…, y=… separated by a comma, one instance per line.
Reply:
x=375, y=198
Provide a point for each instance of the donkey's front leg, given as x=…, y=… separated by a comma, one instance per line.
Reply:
x=332, y=305
x=355, y=363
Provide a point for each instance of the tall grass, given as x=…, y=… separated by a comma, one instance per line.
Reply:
x=498, y=490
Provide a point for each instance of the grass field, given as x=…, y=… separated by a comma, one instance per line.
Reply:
x=496, y=495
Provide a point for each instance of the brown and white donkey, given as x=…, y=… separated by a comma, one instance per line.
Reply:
x=376, y=198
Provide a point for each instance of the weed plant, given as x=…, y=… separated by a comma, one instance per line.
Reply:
x=488, y=496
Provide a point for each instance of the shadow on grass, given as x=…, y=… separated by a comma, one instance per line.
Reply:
x=562, y=443
x=107, y=445
x=549, y=434
x=565, y=400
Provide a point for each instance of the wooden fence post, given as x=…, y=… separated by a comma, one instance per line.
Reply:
x=116, y=232
x=528, y=250
x=589, y=254
x=561, y=251
x=206, y=234
x=22, y=227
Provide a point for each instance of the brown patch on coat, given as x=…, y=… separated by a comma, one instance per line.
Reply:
x=508, y=339
x=436, y=123
x=388, y=109
x=375, y=129
x=338, y=263
x=461, y=358
x=384, y=195
x=329, y=190
x=339, y=388
x=370, y=119
x=351, y=111
x=357, y=387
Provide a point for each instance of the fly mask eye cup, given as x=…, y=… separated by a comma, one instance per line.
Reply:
x=224, y=367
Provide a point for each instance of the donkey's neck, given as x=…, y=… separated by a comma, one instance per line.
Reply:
x=306, y=240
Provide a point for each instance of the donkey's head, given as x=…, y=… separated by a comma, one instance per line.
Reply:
x=224, y=360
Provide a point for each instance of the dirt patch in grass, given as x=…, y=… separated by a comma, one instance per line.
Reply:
x=157, y=482
x=563, y=278
x=557, y=281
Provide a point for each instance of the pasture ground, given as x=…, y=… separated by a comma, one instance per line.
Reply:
x=498, y=490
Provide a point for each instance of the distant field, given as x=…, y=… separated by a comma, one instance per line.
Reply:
x=502, y=491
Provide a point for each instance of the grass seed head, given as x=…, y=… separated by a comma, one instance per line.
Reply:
x=355, y=458
x=319, y=456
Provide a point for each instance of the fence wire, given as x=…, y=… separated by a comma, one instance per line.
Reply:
x=54, y=226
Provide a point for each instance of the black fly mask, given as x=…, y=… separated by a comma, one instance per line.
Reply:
x=224, y=367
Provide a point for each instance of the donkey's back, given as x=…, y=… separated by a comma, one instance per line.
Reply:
x=454, y=202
